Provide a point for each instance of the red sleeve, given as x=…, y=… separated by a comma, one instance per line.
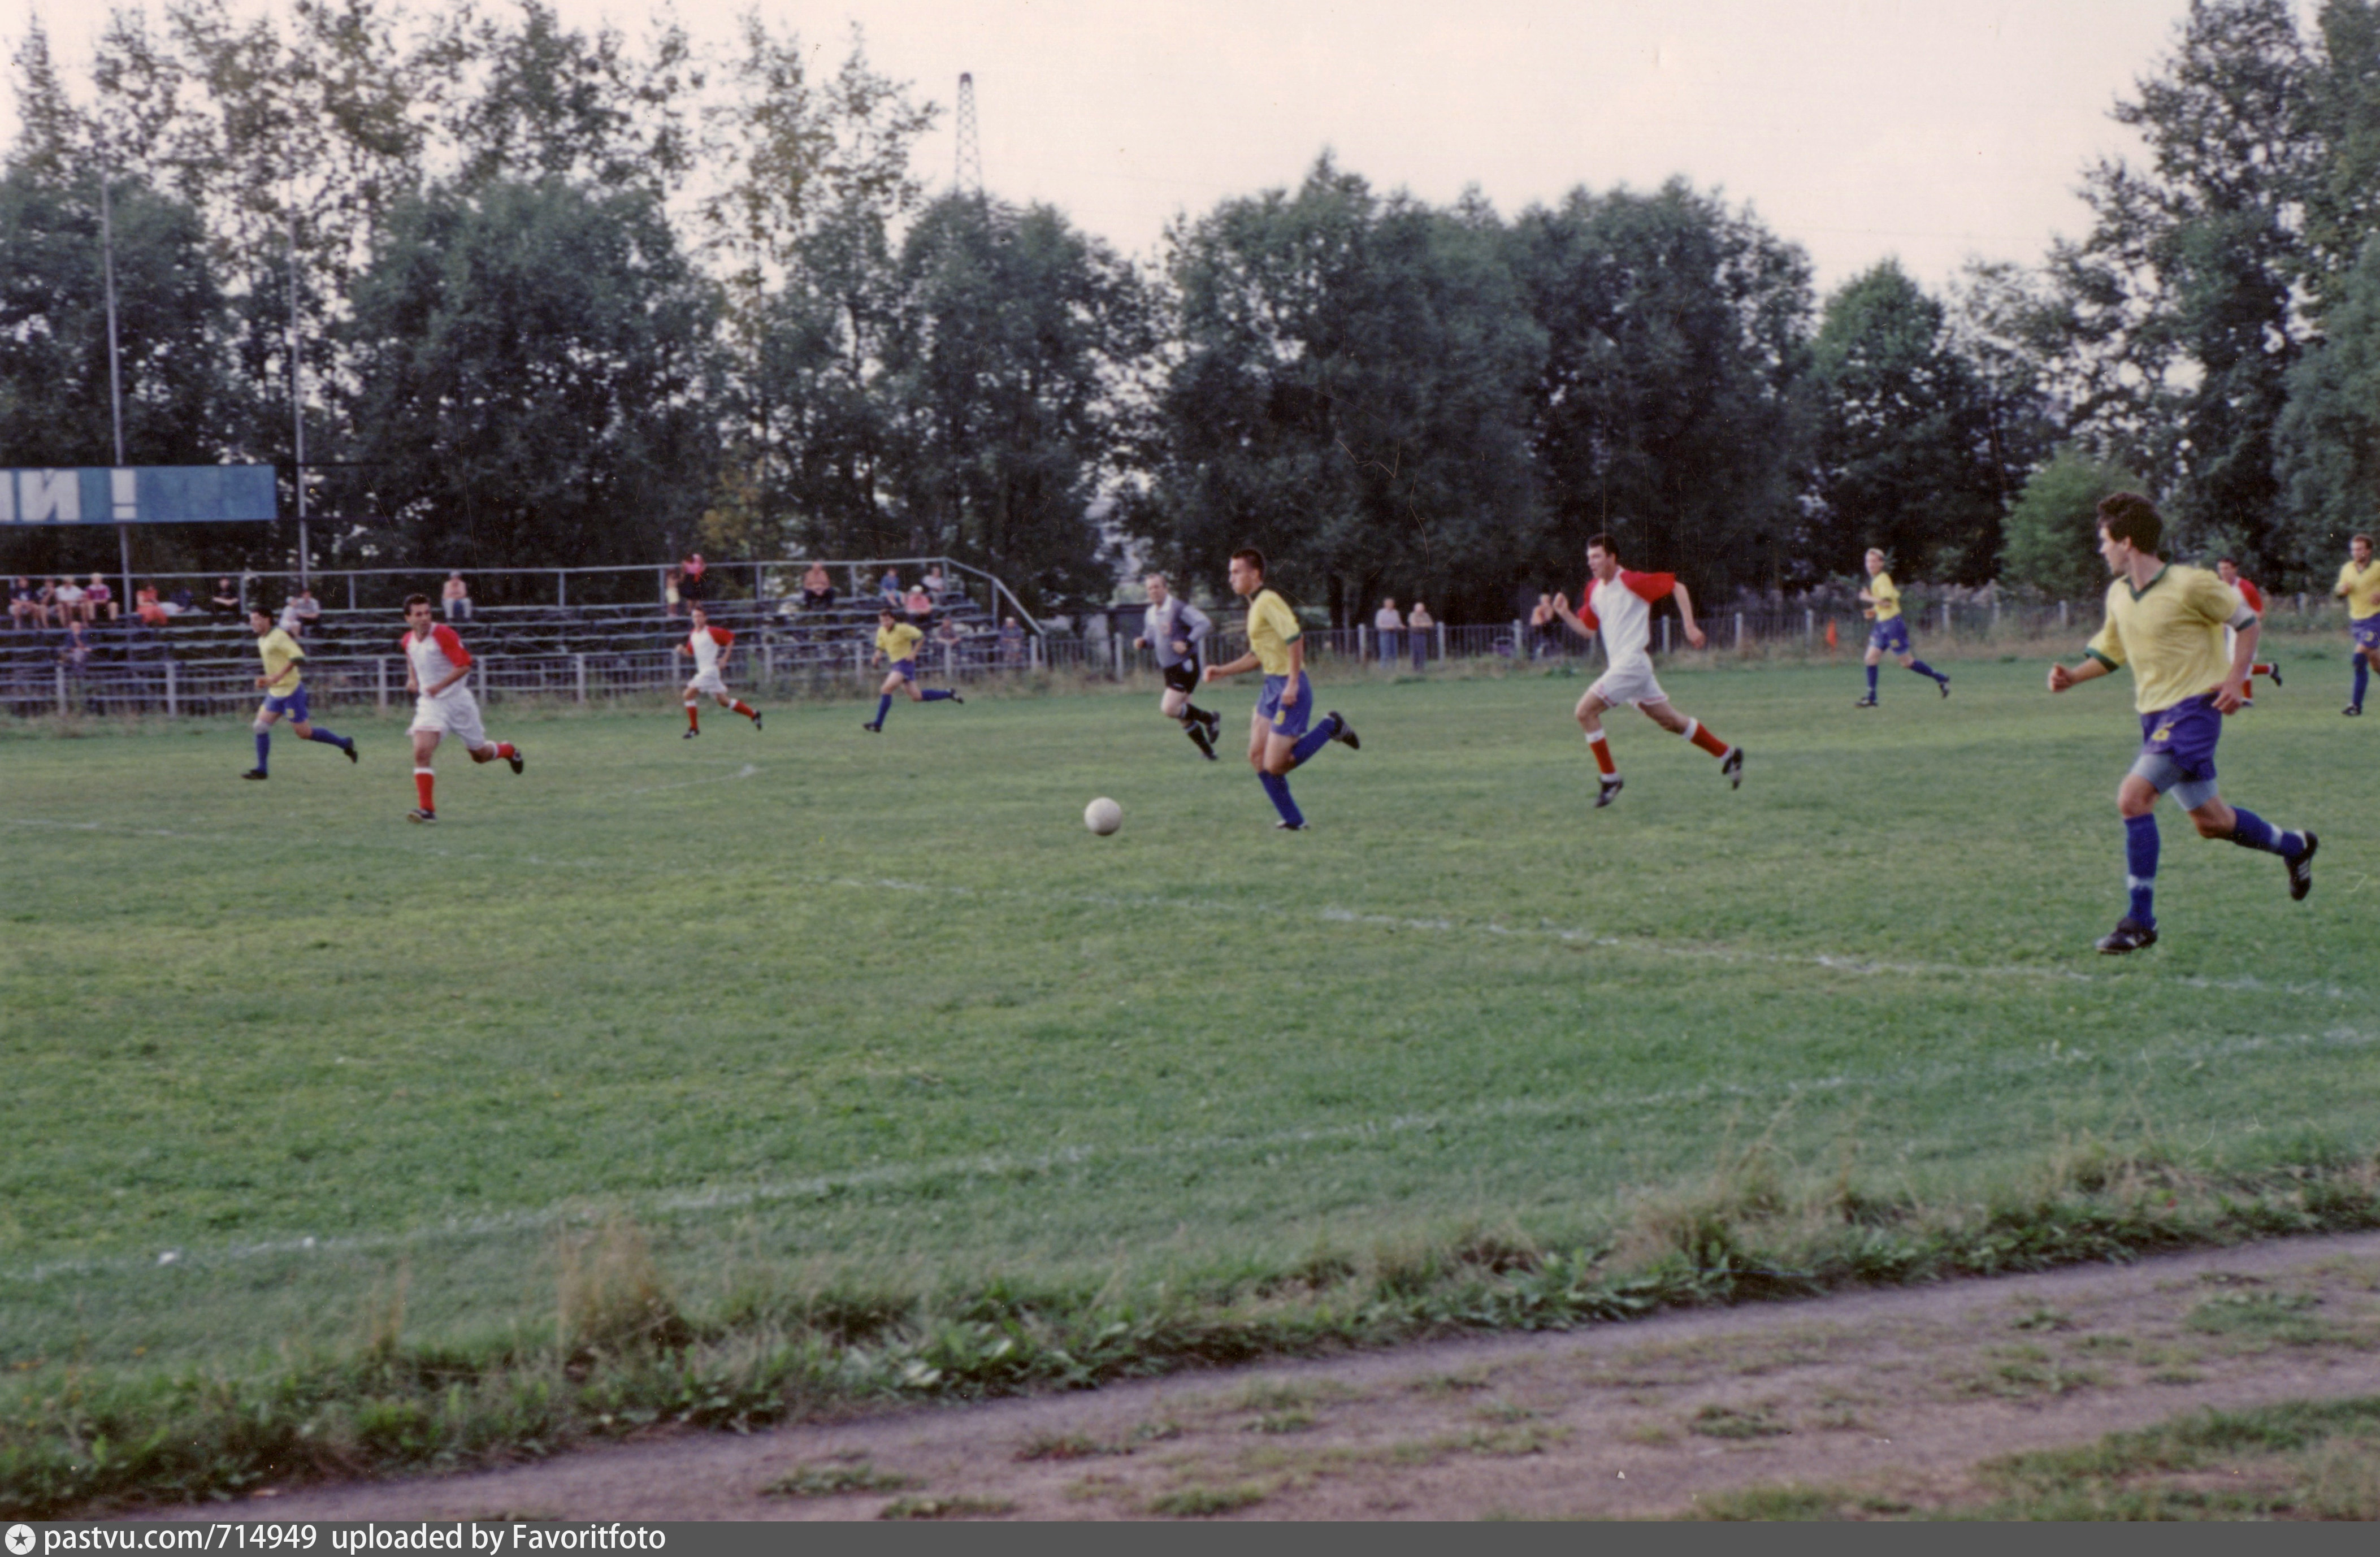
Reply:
x=722, y=637
x=2253, y=596
x=404, y=638
x=456, y=655
x=1653, y=588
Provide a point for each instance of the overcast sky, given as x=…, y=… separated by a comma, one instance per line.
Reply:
x=1860, y=129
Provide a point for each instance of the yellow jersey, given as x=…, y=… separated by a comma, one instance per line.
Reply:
x=281, y=656
x=1272, y=627
x=2363, y=586
x=2171, y=633
x=1886, y=597
x=899, y=641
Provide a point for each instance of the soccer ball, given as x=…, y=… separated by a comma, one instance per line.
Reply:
x=1103, y=815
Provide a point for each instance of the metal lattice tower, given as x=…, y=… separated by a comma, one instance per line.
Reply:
x=969, y=177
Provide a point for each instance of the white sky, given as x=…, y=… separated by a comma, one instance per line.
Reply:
x=1859, y=128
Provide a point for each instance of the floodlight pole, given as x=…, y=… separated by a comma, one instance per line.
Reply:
x=114, y=366
x=297, y=403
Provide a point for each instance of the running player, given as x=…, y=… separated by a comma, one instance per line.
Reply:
x=285, y=693
x=1891, y=634
x=1278, y=738
x=1177, y=631
x=1620, y=603
x=435, y=665
x=2165, y=623
x=2253, y=599
x=896, y=642
x=709, y=645
x=2358, y=584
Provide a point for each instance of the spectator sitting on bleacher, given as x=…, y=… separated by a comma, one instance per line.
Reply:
x=457, y=595
x=25, y=604
x=919, y=605
x=301, y=611
x=936, y=585
x=145, y=606
x=183, y=602
x=890, y=587
x=65, y=602
x=818, y=589
x=96, y=595
x=225, y=599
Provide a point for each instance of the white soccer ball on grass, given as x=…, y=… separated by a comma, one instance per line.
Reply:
x=1103, y=815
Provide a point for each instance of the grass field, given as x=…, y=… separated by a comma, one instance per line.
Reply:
x=815, y=1006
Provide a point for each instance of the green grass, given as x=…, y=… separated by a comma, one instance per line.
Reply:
x=831, y=1021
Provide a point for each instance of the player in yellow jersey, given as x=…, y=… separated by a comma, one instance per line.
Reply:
x=1891, y=634
x=283, y=686
x=2166, y=623
x=896, y=643
x=1278, y=738
x=2359, y=585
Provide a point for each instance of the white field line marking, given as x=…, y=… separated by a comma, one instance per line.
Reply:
x=747, y=771
x=2054, y=1056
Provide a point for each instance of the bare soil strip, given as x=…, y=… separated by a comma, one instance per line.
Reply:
x=1898, y=1395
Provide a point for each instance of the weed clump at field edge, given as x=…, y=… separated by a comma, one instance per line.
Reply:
x=623, y=1358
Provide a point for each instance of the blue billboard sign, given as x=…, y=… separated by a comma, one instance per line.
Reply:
x=174, y=495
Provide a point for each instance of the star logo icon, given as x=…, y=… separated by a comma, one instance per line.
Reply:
x=20, y=1540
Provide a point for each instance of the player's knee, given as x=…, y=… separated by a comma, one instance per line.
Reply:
x=261, y=725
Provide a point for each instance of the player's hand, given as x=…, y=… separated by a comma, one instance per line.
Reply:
x=1696, y=637
x=2229, y=696
x=1212, y=673
x=2060, y=678
x=262, y=681
x=1140, y=643
x=1289, y=694
x=1180, y=647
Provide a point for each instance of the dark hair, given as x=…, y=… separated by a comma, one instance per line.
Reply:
x=2220, y=561
x=260, y=611
x=1603, y=543
x=2127, y=516
x=2353, y=539
x=1251, y=557
x=412, y=600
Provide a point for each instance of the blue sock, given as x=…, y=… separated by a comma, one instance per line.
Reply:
x=1276, y=788
x=936, y=696
x=263, y=748
x=2139, y=868
x=1921, y=668
x=2363, y=678
x=884, y=707
x=1312, y=741
x=2252, y=832
x=329, y=739
x=1871, y=681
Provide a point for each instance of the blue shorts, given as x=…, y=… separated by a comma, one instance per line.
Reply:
x=1892, y=637
x=2177, y=749
x=2365, y=631
x=905, y=669
x=292, y=707
x=1290, y=721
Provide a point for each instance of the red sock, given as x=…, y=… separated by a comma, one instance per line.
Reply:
x=740, y=706
x=507, y=750
x=692, y=721
x=1702, y=737
x=1601, y=746
x=423, y=779
x=2260, y=670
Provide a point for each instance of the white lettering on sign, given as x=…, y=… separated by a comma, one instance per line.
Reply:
x=124, y=487
x=49, y=494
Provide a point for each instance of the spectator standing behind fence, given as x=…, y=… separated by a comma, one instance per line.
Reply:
x=25, y=605
x=1418, y=627
x=818, y=589
x=225, y=599
x=98, y=597
x=1392, y=629
x=1545, y=626
x=457, y=595
x=1012, y=642
x=673, y=594
x=690, y=572
x=75, y=652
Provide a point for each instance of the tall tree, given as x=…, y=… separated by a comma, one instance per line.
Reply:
x=1905, y=455
x=1013, y=334
x=1663, y=412
x=2329, y=437
x=533, y=377
x=1351, y=395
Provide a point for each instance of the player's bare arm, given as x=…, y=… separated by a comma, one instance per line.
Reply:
x=1686, y=615
x=2063, y=676
x=2234, y=691
x=1569, y=617
x=1296, y=669
x=1240, y=666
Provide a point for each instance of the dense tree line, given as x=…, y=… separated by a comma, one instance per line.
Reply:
x=567, y=295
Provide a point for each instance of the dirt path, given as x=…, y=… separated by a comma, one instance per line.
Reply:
x=1897, y=1393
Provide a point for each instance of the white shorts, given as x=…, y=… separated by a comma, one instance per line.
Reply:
x=453, y=712
x=707, y=681
x=1631, y=683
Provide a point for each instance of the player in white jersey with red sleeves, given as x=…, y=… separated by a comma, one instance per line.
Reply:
x=435, y=666
x=709, y=645
x=1620, y=603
